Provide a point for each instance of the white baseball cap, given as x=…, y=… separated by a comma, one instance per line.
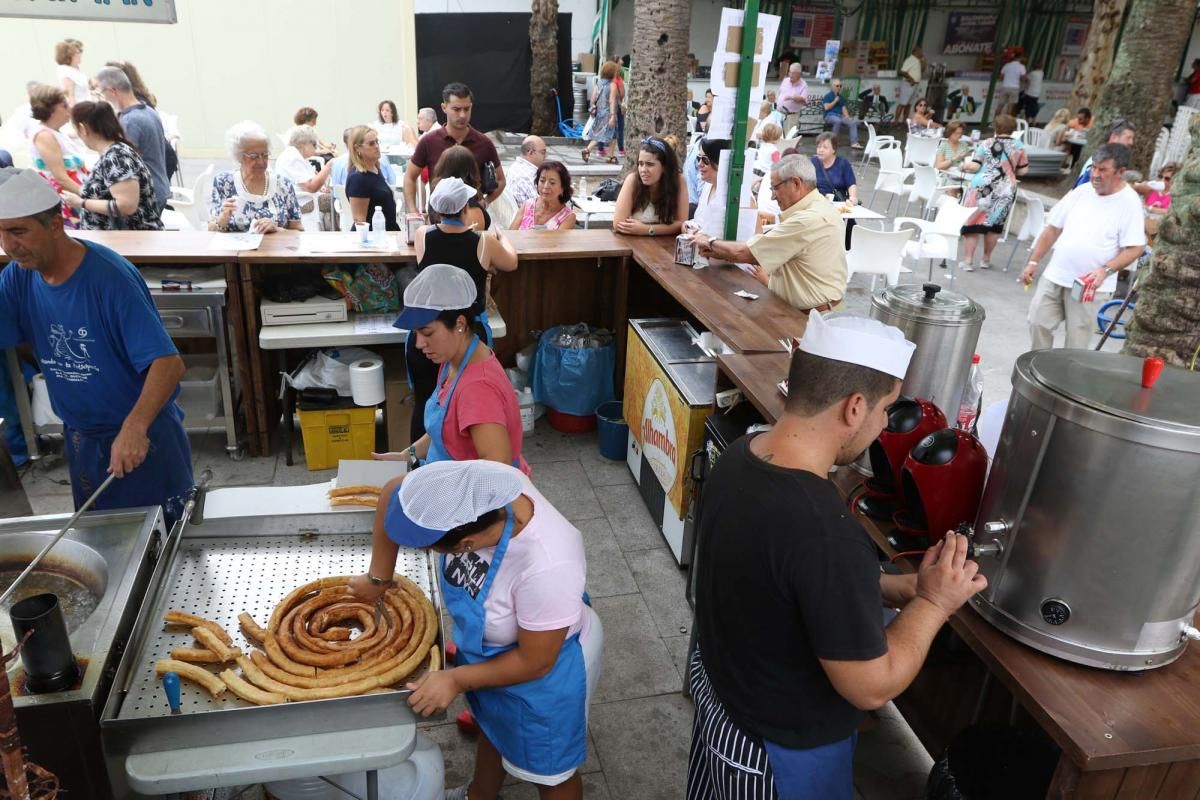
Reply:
x=445, y=495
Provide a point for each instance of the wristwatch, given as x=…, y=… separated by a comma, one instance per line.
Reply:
x=650, y=230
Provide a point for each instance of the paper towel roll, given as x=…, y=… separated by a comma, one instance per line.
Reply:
x=366, y=382
x=43, y=412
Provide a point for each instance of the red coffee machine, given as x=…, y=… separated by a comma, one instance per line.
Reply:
x=909, y=421
x=941, y=483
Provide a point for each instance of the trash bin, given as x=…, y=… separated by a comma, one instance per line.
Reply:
x=613, y=430
x=573, y=375
x=993, y=762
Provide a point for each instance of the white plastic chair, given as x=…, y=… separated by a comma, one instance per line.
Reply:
x=1031, y=228
x=192, y=203
x=310, y=220
x=1022, y=125
x=920, y=149
x=874, y=141
x=341, y=206
x=926, y=186
x=938, y=239
x=892, y=175
x=1037, y=137
x=877, y=253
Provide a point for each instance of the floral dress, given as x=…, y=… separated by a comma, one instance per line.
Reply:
x=994, y=187
x=72, y=161
x=120, y=162
x=278, y=204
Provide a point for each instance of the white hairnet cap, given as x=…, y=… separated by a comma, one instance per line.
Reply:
x=858, y=340
x=444, y=495
x=24, y=193
x=438, y=288
x=450, y=196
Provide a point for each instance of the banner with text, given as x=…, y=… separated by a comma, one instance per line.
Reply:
x=162, y=11
x=970, y=34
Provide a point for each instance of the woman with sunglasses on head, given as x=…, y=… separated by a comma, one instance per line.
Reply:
x=654, y=198
x=251, y=197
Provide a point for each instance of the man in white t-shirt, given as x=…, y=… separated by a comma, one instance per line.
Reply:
x=1031, y=97
x=1011, y=75
x=1096, y=231
x=910, y=77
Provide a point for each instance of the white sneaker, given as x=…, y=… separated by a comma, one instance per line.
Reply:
x=457, y=793
x=985, y=265
x=856, y=146
x=967, y=268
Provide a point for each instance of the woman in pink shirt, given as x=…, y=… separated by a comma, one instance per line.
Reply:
x=473, y=413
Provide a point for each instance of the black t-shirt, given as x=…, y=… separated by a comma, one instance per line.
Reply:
x=372, y=186
x=785, y=576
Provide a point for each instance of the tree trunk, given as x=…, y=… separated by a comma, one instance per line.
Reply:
x=1139, y=86
x=1166, y=318
x=656, y=94
x=543, y=70
x=1097, y=57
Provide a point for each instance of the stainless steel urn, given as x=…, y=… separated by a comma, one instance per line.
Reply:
x=1093, y=501
x=945, y=327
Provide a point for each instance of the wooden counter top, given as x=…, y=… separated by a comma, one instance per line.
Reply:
x=748, y=326
x=1102, y=720
x=160, y=247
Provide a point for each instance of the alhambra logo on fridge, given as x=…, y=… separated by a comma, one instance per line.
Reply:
x=658, y=435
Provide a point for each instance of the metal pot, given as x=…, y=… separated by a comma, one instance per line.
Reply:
x=945, y=327
x=1091, y=511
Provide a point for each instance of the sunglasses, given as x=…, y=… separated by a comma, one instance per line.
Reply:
x=704, y=160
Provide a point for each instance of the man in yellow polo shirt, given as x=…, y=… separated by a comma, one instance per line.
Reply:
x=803, y=258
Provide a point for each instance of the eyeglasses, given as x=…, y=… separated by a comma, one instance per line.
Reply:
x=256, y=156
x=775, y=186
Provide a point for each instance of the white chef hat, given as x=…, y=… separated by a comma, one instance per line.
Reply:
x=438, y=288
x=24, y=193
x=445, y=495
x=450, y=196
x=858, y=340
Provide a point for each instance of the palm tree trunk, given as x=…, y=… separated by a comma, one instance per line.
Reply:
x=1139, y=86
x=657, y=89
x=543, y=70
x=1098, y=51
x=1166, y=319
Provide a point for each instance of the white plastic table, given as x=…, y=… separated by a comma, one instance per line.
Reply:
x=286, y=758
x=589, y=206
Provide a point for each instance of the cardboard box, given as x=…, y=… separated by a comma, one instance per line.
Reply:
x=398, y=402
x=587, y=62
x=731, y=75
x=733, y=40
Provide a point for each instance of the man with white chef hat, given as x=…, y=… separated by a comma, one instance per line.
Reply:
x=791, y=646
x=112, y=370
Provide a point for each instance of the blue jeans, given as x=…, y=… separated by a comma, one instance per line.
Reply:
x=837, y=121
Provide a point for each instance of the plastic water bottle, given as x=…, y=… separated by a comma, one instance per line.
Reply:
x=972, y=399
x=378, y=225
x=525, y=398
x=583, y=187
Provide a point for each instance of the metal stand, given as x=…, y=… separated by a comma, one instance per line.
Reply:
x=1130, y=296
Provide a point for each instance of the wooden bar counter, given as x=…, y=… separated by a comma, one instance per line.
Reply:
x=1121, y=734
x=563, y=278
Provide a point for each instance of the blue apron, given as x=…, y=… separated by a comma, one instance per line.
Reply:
x=413, y=352
x=435, y=412
x=163, y=479
x=818, y=773
x=540, y=725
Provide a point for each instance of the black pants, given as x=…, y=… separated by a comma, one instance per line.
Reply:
x=423, y=374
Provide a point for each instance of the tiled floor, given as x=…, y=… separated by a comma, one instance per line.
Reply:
x=640, y=724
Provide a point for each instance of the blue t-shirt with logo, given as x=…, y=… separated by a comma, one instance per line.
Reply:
x=94, y=336
x=836, y=109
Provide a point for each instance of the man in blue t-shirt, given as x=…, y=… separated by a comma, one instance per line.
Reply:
x=112, y=370
x=837, y=115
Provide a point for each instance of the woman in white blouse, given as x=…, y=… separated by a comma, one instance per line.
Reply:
x=74, y=81
x=392, y=132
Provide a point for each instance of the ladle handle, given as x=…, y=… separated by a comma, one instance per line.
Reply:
x=38, y=558
x=171, y=685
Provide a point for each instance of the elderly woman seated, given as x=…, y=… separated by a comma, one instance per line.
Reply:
x=309, y=173
x=251, y=197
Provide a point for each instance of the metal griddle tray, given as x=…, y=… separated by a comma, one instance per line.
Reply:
x=217, y=569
